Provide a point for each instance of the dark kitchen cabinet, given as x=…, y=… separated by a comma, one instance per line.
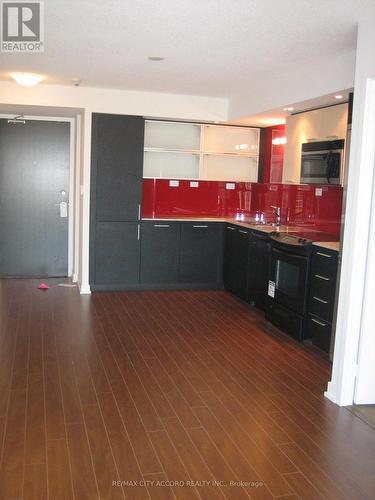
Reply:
x=236, y=260
x=117, y=160
x=117, y=255
x=201, y=253
x=116, y=194
x=259, y=264
x=160, y=252
x=321, y=303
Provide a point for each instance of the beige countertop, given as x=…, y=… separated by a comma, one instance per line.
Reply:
x=330, y=245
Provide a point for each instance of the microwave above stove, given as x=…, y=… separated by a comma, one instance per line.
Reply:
x=321, y=162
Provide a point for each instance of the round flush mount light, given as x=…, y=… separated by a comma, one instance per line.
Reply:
x=156, y=58
x=289, y=108
x=278, y=141
x=27, y=79
x=338, y=96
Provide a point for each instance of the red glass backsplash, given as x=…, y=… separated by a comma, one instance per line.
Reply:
x=299, y=203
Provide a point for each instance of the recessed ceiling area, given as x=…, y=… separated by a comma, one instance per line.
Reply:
x=278, y=116
x=210, y=48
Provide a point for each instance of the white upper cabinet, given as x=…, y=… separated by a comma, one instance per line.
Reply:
x=236, y=140
x=175, y=150
x=317, y=125
x=172, y=135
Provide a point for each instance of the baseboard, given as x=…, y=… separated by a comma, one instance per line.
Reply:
x=329, y=393
x=75, y=278
x=84, y=289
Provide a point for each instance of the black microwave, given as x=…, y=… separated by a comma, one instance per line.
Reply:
x=321, y=162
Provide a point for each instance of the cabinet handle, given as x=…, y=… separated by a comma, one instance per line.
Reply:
x=243, y=232
x=138, y=231
x=324, y=278
x=324, y=255
x=230, y=228
x=200, y=226
x=161, y=225
x=139, y=211
x=320, y=300
x=318, y=322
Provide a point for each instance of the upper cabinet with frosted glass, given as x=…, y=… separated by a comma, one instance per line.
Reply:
x=175, y=150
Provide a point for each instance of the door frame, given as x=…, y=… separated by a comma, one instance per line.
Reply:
x=72, y=243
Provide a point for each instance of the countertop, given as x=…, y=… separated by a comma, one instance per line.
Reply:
x=264, y=228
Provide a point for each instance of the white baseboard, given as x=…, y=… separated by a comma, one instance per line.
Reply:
x=75, y=278
x=330, y=393
x=84, y=289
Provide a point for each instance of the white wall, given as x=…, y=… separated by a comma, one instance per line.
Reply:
x=315, y=78
x=357, y=261
x=87, y=101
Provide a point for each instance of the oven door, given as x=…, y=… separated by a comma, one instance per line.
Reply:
x=321, y=167
x=288, y=279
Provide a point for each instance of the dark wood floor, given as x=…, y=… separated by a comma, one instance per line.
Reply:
x=175, y=389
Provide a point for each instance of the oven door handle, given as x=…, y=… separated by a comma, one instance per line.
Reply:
x=283, y=252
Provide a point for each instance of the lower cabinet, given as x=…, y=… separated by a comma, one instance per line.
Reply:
x=117, y=253
x=322, y=294
x=236, y=260
x=259, y=260
x=160, y=252
x=201, y=253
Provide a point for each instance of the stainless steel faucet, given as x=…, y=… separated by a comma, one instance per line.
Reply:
x=277, y=215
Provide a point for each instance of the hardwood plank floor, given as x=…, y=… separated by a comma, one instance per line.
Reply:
x=166, y=395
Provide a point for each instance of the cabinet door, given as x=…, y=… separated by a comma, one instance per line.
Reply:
x=117, y=253
x=230, y=264
x=117, y=158
x=259, y=263
x=236, y=261
x=159, y=252
x=200, y=253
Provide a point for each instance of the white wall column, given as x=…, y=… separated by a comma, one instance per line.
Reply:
x=351, y=327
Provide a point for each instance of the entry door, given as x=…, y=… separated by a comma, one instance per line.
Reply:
x=34, y=180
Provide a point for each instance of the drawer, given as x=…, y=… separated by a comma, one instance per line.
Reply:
x=321, y=304
x=324, y=263
x=319, y=331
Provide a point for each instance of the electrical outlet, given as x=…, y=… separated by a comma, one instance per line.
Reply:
x=318, y=192
x=174, y=184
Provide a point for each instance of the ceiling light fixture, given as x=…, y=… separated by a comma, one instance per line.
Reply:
x=278, y=141
x=338, y=96
x=288, y=109
x=27, y=79
x=156, y=58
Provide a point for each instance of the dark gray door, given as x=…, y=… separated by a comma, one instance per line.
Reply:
x=34, y=179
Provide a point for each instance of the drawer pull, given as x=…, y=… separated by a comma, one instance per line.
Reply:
x=161, y=225
x=318, y=322
x=243, y=232
x=324, y=278
x=320, y=300
x=201, y=226
x=230, y=228
x=324, y=255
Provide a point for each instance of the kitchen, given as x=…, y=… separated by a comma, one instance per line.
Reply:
x=200, y=324
x=197, y=217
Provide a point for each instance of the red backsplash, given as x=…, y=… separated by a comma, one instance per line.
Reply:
x=299, y=203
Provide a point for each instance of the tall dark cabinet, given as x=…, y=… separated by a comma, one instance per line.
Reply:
x=116, y=197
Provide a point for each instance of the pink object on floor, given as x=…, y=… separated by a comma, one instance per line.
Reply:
x=43, y=286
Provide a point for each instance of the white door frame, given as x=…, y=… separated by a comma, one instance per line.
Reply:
x=72, y=270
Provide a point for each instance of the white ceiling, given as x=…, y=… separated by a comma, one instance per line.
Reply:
x=211, y=47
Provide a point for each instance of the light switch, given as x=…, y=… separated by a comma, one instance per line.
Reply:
x=174, y=184
x=194, y=184
x=230, y=185
x=318, y=192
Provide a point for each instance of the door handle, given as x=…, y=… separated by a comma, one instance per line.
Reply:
x=243, y=232
x=201, y=226
x=230, y=228
x=320, y=300
x=138, y=231
x=324, y=255
x=139, y=211
x=324, y=278
x=161, y=225
x=318, y=322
